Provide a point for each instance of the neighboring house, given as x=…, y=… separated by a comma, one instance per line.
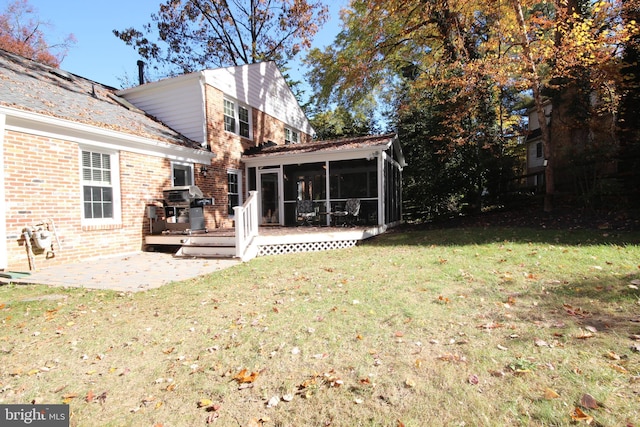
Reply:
x=535, y=152
x=89, y=161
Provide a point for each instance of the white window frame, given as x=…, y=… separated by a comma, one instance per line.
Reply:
x=114, y=160
x=187, y=167
x=238, y=174
x=291, y=136
x=235, y=107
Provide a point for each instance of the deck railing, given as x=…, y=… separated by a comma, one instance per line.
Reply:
x=246, y=218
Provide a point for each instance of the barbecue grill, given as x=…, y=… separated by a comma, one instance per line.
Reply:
x=183, y=207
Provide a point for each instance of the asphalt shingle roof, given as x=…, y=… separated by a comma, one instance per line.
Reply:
x=31, y=86
x=320, y=146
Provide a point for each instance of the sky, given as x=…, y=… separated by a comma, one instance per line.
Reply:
x=99, y=55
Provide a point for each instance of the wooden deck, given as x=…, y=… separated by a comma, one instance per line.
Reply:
x=271, y=240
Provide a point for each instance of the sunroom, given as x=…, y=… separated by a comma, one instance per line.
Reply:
x=326, y=175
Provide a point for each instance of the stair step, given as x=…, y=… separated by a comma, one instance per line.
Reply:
x=207, y=251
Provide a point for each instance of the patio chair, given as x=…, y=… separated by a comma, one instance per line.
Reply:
x=350, y=213
x=305, y=212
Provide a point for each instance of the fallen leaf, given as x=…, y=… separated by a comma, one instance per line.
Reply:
x=449, y=357
x=613, y=355
x=591, y=329
x=618, y=368
x=490, y=325
x=89, y=397
x=473, y=379
x=550, y=394
x=287, y=397
x=204, y=402
x=541, y=343
x=211, y=418
x=102, y=397
x=578, y=415
x=243, y=377
x=273, y=402
x=585, y=335
x=589, y=402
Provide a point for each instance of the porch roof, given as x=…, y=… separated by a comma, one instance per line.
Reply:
x=330, y=149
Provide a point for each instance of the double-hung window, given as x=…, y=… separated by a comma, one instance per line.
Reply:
x=237, y=118
x=229, y=116
x=539, y=149
x=100, y=190
x=291, y=136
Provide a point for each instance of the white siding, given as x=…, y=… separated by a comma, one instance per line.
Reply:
x=532, y=160
x=177, y=102
x=533, y=116
x=263, y=87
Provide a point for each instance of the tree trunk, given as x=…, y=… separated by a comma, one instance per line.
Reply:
x=536, y=83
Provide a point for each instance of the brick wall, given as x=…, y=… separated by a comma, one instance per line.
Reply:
x=42, y=181
x=228, y=148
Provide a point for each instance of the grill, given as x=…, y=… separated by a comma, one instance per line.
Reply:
x=183, y=208
x=185, y=196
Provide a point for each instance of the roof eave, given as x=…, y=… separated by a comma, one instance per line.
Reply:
x=40, y=124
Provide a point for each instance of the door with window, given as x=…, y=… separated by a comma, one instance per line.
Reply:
x=182, y=174
x=270, y=197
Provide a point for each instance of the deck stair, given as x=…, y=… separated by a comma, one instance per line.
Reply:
x=204, y=246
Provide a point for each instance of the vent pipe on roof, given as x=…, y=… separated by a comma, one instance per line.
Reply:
x=141, y=72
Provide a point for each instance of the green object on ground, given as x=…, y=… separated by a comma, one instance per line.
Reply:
x=14, y=274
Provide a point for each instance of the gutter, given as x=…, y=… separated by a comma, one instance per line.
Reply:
x=68, y=130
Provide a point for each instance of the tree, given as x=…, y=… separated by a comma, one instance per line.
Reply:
x=197, y=34
x=468, y=58
x=343, y=123
x=630, y=107
x=21, y=33
x=434, y=63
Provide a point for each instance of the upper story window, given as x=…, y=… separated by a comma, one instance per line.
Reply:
x=100, y=187
x=237, y=119
x=539, y=149
x=291, y=136
x=229, y=116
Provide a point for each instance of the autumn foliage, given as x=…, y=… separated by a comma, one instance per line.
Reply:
x=21, y=33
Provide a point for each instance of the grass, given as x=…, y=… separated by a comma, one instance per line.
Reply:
x=455, y=327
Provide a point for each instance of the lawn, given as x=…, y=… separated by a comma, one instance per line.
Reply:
x=476, y=326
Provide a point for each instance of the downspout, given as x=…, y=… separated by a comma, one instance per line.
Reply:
x=205, y=115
